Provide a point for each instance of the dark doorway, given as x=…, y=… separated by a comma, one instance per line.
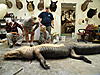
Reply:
x=68, y=18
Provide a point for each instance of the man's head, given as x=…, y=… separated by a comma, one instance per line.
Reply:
x=33, y=18
x=9, y=22
x=47, y=9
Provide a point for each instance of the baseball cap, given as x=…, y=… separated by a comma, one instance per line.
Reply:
x=47, y=7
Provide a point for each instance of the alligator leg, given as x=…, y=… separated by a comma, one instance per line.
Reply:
x=80, y=57
x=41, y=59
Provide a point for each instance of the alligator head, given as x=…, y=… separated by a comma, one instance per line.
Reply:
x=14, y=54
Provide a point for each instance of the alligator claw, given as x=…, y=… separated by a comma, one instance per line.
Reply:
x=47, y=67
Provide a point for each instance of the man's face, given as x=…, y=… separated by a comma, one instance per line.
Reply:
x=33, y=18
x=10, y=23
x=47, y=9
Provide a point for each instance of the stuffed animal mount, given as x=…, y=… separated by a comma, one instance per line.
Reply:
x=30, y=5
x=53, y=6
x=41, y=5
x=19, y=4
x=91, y=12
x=52, y=51
x=84, y=6
x=99, y=15
x=9, y=3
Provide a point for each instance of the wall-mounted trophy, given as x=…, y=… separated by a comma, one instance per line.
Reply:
x=41, y=5
x=19, y=4
x=30, y=6
x=9, y=4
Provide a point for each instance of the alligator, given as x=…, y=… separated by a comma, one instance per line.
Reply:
x=50, y=51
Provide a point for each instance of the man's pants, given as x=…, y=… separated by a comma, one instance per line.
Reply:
x=12, y=37
x=48, y=28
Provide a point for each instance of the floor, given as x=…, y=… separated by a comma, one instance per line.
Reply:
x=66, y=66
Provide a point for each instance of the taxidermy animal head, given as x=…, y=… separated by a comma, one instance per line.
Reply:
x=84, y=6
x=53, y=6
x=99, y=15
x=30, y=5
x=19, y=4
x=9, y=3
x=91, y=13
x=41, y=5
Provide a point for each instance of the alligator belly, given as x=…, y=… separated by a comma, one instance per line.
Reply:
x=54, y=52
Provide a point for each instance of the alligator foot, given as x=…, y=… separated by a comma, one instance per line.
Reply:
x=86, y=60
x=44, y=65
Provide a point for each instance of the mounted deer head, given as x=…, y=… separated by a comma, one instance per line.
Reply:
x=53, y=6
x=19, y=4
x=30, y=5
x=41, y=5
x=85, y=5
x=9, y=3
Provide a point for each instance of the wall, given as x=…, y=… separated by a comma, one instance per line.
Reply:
x=57, y=15
x=82, y=15
x=79, y=14
x=23, y=12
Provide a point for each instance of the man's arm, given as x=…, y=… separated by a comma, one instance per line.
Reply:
x=52, y=23
x=52, y=20
x=36, y=26
x=40, y=16
x=18, y=25
x=40, y=19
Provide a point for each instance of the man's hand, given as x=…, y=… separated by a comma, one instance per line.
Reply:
x=52, y=26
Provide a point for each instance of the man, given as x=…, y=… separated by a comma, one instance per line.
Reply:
x=12, y=34
x=30, y=26
x=47, y=19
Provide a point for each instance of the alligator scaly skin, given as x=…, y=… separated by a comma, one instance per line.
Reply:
x=56, y=50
